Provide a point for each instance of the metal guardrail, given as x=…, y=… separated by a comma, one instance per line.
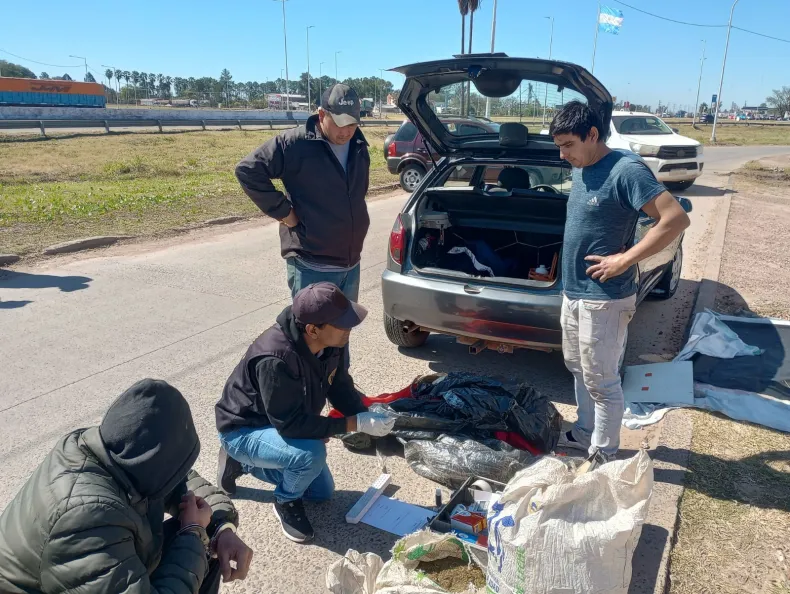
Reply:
x=42, y=125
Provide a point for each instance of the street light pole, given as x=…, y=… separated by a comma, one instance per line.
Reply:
x=320, y=76
x=699, y=85
x=118, y=94
x=308, y=67
x=493, y=35
x=381, y=92
x=721, y=80
x=336, y=53
x=84, y=60
x=285, y=43
x=551, y=43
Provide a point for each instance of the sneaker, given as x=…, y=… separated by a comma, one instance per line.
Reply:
x=569, y=442
x=228, y=470
x=293, y=520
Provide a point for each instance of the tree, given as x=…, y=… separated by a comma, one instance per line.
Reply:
x=136, y=82
x=43, y=75
x=15, y=70
x=127, y=76
x=151, y=82
x=89, y=78
x=780, y=100
x=66, y=77
x=703, y=107
x=109, y=74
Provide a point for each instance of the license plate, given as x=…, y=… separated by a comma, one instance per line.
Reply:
x=678, y=172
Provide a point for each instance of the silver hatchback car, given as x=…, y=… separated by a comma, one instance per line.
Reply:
x=480, y=260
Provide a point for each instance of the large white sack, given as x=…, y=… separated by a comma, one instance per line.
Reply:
x=553, y=532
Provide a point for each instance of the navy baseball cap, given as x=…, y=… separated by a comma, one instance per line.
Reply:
x=342, y=103
x=324, y=303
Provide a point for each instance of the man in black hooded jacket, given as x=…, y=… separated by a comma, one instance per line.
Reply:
x=91, y=518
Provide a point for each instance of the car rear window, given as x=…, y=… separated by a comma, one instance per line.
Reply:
x=406, y=133
x=556, y=177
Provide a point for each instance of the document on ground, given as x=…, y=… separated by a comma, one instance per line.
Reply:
x=397, y=517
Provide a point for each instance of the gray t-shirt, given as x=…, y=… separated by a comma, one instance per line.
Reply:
x=341, y=153
x=603, y=210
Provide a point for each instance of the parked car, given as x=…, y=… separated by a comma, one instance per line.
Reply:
x=478, y=260
x=408, y=155
x=675, y=160
x=706, y=118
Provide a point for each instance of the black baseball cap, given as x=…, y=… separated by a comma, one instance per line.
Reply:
x=342, y=103
x=324, y=303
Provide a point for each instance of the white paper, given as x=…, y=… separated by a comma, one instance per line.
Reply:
x=660, y=383
x=397, y=517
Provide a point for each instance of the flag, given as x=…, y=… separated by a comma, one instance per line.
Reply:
x=610, y=20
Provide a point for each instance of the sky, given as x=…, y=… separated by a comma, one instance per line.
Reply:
x=649, y=61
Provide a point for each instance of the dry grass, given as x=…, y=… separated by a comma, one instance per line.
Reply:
x=140, y=183
x=735, y=512
x=738, y=134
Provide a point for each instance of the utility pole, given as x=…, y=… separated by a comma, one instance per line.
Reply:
x=285, y=43
x=721, y=80
x=493, y=35
x=595, y=43
x=84, y=60
x=320, y=77
x=336, y=53
x=551, y=43
x=308, y=67
x=699, y=85
x=118, y=93
x=381, y=92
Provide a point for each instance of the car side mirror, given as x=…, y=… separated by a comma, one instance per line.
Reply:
x=685, y=203
x=676, y=131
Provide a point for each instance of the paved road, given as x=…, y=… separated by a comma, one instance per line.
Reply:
x=77, y=331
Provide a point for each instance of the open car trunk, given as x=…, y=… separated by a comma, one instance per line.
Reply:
x=460, y=234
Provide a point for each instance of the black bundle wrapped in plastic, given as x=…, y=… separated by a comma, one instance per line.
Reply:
x=452, y=459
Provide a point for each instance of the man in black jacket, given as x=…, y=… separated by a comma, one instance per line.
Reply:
x=269, y=417
x=91, y=518
x=325, y=168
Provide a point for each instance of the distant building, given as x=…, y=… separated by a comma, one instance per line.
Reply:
x=281, y=100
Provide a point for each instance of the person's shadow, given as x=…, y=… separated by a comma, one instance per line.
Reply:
x=11, y=279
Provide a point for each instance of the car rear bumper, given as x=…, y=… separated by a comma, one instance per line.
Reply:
x=506, y=316
x=392, y=164
x=669, y=170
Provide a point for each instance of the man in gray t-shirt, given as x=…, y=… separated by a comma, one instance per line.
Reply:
x=599, y=262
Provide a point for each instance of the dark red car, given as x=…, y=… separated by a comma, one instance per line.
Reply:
x=407, y=153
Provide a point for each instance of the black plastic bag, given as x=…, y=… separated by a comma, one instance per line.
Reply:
x=536, y=418
x=450, y=460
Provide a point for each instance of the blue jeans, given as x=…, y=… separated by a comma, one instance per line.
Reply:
x=297, y=467
x=299, y=276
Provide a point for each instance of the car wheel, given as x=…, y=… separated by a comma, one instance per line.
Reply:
x=670, y=280
x=398, y=335
x=411, y=176
x=679, y=186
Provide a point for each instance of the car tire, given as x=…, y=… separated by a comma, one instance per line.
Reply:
x=400, y=337
x=679, y=186
x=670, y=280
x=411, y=176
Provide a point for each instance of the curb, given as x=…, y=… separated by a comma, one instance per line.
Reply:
x=6, y=259
x=84, y=244
x=671, y=456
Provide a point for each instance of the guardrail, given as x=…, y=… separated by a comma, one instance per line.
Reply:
x=43, y=125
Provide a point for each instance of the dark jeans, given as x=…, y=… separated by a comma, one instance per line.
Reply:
x=213, y=578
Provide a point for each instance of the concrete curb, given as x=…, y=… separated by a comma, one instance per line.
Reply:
x=671, y=456
x=88, y=243
x=6, y=259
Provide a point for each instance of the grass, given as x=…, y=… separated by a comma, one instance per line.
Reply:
x=65, y=187
x=738, y=134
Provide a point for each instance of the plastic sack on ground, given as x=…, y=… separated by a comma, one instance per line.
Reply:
x=363, y=574
x=450, y=460
x=553, y=532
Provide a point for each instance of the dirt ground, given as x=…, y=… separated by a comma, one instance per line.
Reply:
x=735, y=512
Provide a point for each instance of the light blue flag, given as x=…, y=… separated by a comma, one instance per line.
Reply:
x=610, y=20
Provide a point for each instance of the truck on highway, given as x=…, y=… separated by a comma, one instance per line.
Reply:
x=366, y=108
x=31, y=92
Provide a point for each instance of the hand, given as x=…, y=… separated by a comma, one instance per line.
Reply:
x=291, y=220
x=607, y=267
x=375, y=424
x=231, y=548
x=194, y=510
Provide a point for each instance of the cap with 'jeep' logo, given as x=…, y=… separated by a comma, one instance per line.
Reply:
x=342, y=103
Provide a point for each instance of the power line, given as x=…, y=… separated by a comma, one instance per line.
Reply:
x=668, y=19
x=762, y=34
x=42, y=63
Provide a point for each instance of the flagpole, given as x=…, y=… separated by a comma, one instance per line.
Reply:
x=595, y=43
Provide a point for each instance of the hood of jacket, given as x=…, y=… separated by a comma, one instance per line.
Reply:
x=149, y=434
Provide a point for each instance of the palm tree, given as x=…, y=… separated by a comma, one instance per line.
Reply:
x=160, y=78
x=109, y=74
x=151, y=80
x=126, y=76
x=144, y=82
x=136, y=81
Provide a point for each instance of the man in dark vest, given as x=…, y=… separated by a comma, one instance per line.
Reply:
x=269, y=417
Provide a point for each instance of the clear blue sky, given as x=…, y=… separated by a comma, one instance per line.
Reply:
x=650, y=60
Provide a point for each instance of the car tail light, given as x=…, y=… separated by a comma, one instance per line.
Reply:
x=398, y=241
x=392, y=149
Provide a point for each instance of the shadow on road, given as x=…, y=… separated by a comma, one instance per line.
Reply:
x=10, y=279
x=698, y=190
x=13, y=304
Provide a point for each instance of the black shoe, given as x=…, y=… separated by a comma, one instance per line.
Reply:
x=228, y=470
x=294, y=520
